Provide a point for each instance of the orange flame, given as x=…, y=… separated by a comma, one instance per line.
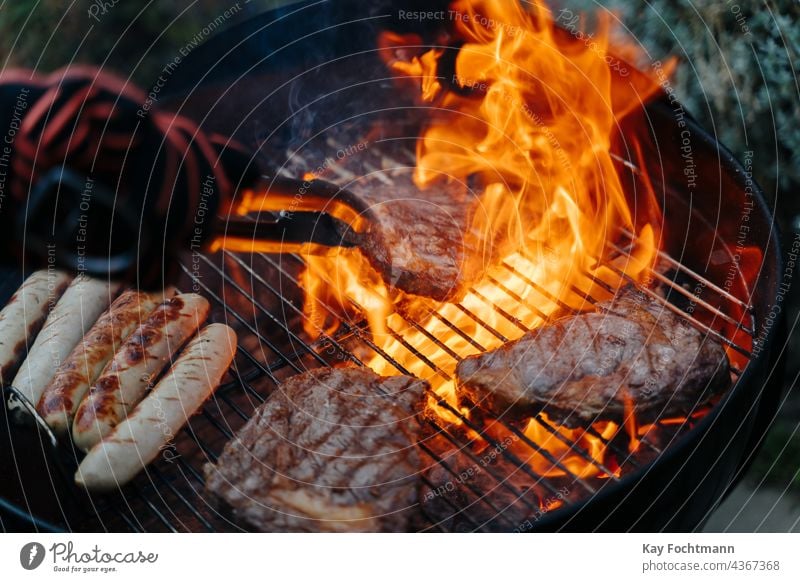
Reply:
x=535, y=132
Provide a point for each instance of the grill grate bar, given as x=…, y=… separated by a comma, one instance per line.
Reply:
x=131, y=524
x=681, y=267
x=243, y=381
x=481, y=496
x=207, y=450
x=459, y=332
x=538, y=287
x=122, y=507
x=394, y=363
x=571, y=444
x=539, y=313
x=191, y=470
x=456, y=511
x=308, y=349
x=691, y=296
x=324, y=337
x=501, y=480
x=419, y=355
x=433, y=338
x=500, y=310
x=483, y=324
x=585, y=296
x=116, y=504
x=131, y=520
x=153, y=509
x=609, y=443
x=185, y=502
x=235, y=407
x=216, y=424
x=241, y=320
x=154, y=491
x=522, y=465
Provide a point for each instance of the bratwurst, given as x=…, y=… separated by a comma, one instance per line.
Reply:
x=74, y=377
x=631, y=352
x=137, y=440
x=23, y=316
x=142, y=358
x=74, y=314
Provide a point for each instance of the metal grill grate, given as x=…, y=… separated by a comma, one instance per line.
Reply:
x=260, y=293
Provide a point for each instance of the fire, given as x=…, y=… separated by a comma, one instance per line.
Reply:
x=531, y=119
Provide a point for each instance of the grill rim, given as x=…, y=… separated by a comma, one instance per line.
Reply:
x=681, y=449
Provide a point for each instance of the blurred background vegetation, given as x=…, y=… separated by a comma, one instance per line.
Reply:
x=133, y=38
x=736, y=74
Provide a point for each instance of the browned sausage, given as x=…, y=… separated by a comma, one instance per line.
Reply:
x=77, y=374
x=144, y=355
x=154, y=422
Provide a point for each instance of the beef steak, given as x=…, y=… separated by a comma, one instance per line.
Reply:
x=332, y=450
x=417, y=238
x=584, y=367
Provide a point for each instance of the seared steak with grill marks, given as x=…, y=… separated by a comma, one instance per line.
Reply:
x=331, y=450
x=417, y=241
x=583, y=368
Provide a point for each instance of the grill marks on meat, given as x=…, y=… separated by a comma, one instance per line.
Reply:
x=583, y=368
x=417, y=242
x=141, y=358
x=331, y=450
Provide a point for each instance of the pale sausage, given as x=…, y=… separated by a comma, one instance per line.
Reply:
x=77, y=310
x=23, y=316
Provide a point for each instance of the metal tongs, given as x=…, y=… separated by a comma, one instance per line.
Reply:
x=270, y=215
x=284, y=215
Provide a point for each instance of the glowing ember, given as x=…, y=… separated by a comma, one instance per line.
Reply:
x=534, y=130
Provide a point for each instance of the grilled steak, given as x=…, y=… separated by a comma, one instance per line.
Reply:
x=583, y=368
x=417, y=240
x=332, y=450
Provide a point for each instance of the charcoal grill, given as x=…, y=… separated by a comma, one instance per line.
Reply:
x=297, y=82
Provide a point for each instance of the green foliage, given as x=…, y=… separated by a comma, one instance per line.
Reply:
x=736, y=74
x=132, y=38
x=777, y=462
